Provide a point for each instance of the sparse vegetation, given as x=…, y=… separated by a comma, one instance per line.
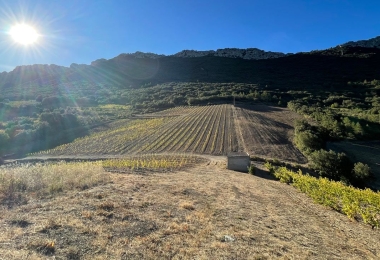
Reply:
x=252, y=170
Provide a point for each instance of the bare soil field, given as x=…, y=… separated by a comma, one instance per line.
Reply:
x=201, y=212
x=268, y=132
x=216, y=130
x=366, y=152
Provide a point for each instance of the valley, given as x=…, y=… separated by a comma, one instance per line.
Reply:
x=126, y=158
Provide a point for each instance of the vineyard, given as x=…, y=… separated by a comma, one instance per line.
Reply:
x=355, y=203
x=217, y=130
x=205, y=129
x=151, y=162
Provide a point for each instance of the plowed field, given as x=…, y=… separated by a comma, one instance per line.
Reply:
x=268, y=131
x=217, y=130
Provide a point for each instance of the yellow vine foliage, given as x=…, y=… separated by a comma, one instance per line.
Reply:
x=355, y=203
x=150, y=162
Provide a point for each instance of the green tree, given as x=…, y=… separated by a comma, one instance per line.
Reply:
x=307, y=141
x=331, y=165
x=361, y=171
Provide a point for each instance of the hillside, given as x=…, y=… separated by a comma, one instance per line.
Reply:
x=126, y=158
x=181, y=214
x=329, y=68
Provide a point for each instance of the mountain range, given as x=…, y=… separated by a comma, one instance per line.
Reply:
x=333, y=67
x=248, y=54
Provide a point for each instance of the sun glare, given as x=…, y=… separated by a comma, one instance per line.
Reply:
x=23, y=34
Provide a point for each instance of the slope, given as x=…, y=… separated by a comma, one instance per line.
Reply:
x=185, y=214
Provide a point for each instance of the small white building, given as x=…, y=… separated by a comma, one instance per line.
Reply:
x=238, y=161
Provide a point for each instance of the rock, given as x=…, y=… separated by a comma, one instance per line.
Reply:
x=140, y=55
x=193, y=54
x=227, y=238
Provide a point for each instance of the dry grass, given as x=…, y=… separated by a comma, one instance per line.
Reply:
x=183, y=215
x=187, y=205
x=19, y=183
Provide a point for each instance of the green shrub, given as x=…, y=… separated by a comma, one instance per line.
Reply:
x=307, y=138
x=361, y=172
x=252, y=170
x=330, y=164
x=283, y=175
x=270, y=167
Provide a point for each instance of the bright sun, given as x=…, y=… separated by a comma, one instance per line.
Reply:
x=24, y=34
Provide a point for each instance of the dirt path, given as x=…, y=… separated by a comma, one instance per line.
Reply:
x=241, y=144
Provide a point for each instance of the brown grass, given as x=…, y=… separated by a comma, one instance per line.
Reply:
x=183, y=215
x=20, y=183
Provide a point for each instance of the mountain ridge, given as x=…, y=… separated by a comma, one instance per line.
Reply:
x=331, y=67
x=247, y=53
x=370, y=43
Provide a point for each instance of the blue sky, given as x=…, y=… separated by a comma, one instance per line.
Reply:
x=80, y=31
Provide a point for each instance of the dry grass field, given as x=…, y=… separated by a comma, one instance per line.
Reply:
x=201, y=211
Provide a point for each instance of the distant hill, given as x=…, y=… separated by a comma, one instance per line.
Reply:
x=331, y=68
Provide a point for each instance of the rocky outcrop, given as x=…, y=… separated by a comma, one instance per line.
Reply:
x=193, y=54
x=139, y=54
x=371, y=43
x=248, y=54
x=75, y=66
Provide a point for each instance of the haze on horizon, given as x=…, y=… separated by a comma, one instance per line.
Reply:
x=80, y=31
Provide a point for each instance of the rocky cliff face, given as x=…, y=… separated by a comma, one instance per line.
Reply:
x=248, y=54
x=371, y=43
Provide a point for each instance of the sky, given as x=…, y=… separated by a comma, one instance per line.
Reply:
x=81, y=31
